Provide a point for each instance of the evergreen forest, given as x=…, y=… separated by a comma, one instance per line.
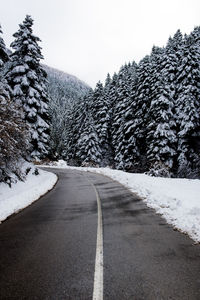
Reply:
x=145, y=118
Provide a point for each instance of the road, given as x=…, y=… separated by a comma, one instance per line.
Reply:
x=48, y=250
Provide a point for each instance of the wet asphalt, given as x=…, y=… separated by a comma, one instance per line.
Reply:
x=47, y=251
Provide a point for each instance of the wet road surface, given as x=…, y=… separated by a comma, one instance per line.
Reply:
x=47, y=251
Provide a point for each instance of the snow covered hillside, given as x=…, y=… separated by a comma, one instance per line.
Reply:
x=22, y=194
x=65, y=92
x=65, y=85
x=177, y=200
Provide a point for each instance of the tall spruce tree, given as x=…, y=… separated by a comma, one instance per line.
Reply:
x=187, y=103
x=161, y=136
x=141, y=114
x=100, y=111
x=109, y=105
x=130, y=151
x=28, y=82
x=13, y=131
x=122, y=102
x=77, y=122
x=89, y=152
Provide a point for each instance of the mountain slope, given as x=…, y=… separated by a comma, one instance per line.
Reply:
x=65, y=86
x=65, y=93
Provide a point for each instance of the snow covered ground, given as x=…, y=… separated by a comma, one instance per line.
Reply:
x=23, y=194
x=177, y=200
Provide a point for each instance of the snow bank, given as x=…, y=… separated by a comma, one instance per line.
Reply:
x=177, y=200
x=23, y=194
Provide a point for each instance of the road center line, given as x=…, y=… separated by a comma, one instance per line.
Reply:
x=98, y=274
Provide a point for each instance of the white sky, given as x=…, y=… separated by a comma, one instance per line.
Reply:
x=89, y=38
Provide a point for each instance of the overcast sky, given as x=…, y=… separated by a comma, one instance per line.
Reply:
x=89, y=38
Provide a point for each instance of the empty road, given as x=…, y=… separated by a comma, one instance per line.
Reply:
x=48, y=250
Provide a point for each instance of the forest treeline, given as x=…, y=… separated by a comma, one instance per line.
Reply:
x=145, y=118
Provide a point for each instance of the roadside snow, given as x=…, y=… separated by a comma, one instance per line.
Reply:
x=22, y=194
x=177, y=200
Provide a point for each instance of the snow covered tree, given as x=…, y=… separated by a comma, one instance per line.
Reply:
x=65, y=97
x=61, y=114
x=109, y=106
x=130, y=150
x=111, y=93
x=100, y=106
x=13, y=130
x=13, y=139
x=161, y=134
x=122, y=101
x=187, y=103
x=149, y=114
x=141, y=112
x=89, y=152
x=76, y=122
x=28, y=82
x=161, y=129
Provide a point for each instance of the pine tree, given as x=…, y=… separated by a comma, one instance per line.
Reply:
x=100, y=107
x=187, y=102
x=110, y=91
x=61, y=116
x=76, y=122
x=141, y=111
x=122, y=101
x=14, y=139
x=89, y=152
x=162, y=135
x=130, y=150
x=28, y=82
x=13, y=131
x=109, y=106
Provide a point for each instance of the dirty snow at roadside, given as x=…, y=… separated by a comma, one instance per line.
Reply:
x=22, y=194
x=177, y=200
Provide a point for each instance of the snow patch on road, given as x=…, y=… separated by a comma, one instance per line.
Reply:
x=177, y=200
x=22, y=194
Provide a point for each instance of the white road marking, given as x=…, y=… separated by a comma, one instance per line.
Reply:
x=98, y=274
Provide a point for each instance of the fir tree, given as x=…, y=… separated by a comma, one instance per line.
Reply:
x=13, y=131
x=76, y=123
x=141, y=111
x=161, y=130
x=187, y=102
x=122, y=102
x=130, y=150
x=14, y=139
x=61, y=116
x=89, y=151
x=100, y=111
x=28, y=82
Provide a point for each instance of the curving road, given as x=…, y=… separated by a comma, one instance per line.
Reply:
x=48, y=250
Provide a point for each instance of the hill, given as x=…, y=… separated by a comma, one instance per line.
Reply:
x=65, y=92
x=64, y=86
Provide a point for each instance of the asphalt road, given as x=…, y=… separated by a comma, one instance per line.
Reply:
x=47, y=251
